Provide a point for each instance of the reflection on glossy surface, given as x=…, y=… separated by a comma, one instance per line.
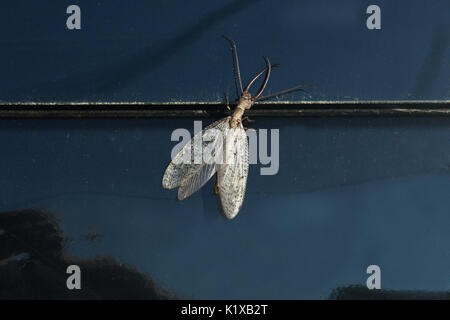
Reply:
x=33, y=264
x=350, y=193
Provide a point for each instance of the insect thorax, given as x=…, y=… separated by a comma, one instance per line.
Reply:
x=245, y=102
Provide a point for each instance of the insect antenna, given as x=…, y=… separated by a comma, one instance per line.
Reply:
x=266, y=79
x=260, y=74
x=267, y=68
x=236, y=71
x=283, y=92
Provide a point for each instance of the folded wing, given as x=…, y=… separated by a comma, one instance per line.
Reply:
x=232, y=175
x=190, y=177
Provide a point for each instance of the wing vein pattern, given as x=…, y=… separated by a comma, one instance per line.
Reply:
x=232, y=174
x=190, y=177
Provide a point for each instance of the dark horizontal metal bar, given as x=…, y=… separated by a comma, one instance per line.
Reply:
x=214, y=109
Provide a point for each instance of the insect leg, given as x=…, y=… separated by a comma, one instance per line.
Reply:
x=227, y=102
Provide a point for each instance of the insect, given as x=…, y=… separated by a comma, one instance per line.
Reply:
x=232, y=173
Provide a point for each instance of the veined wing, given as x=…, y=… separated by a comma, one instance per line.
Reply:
x=213, y=142
x=232, y=175
x=191, y=176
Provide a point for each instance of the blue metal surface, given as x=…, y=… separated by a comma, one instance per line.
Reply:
x=173, y=50
x=349, y=193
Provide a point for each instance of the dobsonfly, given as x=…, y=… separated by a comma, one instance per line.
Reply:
x=231, y=182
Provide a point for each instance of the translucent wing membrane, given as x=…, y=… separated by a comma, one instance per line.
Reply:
x=188, y=175
x=196, y=181
x=232, y=175
x=212, y=154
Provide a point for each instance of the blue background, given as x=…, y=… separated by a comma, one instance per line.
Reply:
x=350, y=192
x=173, y=50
